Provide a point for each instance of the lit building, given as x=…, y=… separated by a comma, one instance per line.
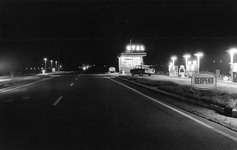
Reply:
x=132, y=56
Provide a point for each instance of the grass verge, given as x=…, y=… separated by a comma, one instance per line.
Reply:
x=224, y=97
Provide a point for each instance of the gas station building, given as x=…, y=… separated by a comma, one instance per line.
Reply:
x=132, y=56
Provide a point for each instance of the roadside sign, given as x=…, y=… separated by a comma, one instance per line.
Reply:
x=218, y=72
x=204, y=81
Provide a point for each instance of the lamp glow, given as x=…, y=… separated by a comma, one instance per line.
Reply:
x=45, y=59
x=198, y=59
x=231, y=51
x=173, y=59
x=186, y=56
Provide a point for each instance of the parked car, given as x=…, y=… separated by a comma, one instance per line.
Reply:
x=112, y=70
x=142, y=69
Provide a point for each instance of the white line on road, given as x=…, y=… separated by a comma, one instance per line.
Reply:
x=25, y=98
x=57, y=101
x=76, y=78
x=178, y=111
x=71, y=84
x=9, y=100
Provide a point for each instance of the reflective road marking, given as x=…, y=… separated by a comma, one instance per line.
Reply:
x=178, y=111
x=71, y=84
x=57, y=101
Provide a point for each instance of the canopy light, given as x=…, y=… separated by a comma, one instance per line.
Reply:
x=173, y=57
x=198, y=54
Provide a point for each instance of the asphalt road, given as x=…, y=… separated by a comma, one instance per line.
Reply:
x=95, y=112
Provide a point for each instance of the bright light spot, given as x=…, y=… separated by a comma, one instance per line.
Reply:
x=135, y=47
x=186, y=56
x=138, y=48
x=128, y=48
x=173, y=57
x=194, y=62
x=221, y=61
x=214, y=61
x=232, y=50
x=198, y=54
x=189, y=62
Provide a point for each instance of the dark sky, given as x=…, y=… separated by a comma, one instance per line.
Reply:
x=95, y=31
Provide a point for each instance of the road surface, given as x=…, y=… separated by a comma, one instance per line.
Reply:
x=95, y=112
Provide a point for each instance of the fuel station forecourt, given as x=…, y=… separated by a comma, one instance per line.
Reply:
x=187, y=70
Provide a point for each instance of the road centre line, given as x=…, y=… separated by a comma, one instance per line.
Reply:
x=57, y=101
x=178, y=111
x=71, y=84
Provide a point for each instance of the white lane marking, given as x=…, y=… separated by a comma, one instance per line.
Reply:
x=57, y=101
x=9, y=100
x=4, y=91
x=176, y=110
x=25, y=98
x=71, y=84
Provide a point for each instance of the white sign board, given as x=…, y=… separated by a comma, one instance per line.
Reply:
x=204, y=81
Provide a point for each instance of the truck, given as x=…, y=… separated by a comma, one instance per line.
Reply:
x=142, y=69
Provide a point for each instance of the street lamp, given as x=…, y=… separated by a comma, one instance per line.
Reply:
x=45, y=59
x=186, y=56
x=173, y=59
x=232, y=51
x=56, y=65
x=198, y=59
x=51, y=64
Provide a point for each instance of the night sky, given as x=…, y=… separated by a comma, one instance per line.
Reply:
x=96, y=31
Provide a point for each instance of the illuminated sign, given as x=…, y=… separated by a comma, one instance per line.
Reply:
x=135, y=48
x=204, y=81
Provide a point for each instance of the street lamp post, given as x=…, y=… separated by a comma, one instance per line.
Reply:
x=198, y=59
x=56, y=65
x=45, y=59
x=51, y=65
x=173, y=59
x=186, y=60
x=232, y=51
